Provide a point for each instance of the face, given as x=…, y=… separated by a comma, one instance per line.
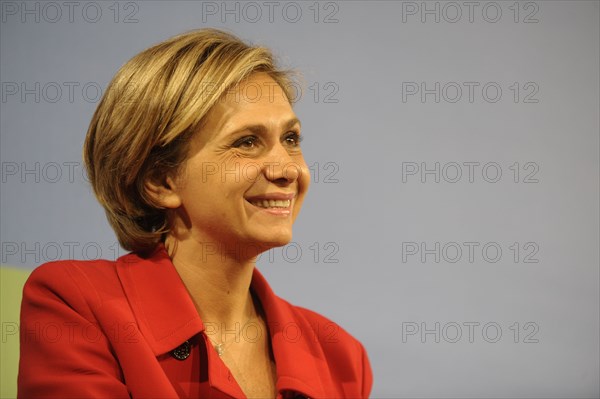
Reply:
x=245, y=178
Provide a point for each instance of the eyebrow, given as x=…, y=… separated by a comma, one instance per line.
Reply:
x=259, y=128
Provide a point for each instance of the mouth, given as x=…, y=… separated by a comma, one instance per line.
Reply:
x=275, y=204
x=267, y=204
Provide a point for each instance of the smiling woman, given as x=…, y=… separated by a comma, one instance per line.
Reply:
x=194, y=153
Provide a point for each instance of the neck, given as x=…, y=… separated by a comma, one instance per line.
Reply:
x=217, y=278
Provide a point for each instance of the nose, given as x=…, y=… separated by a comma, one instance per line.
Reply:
x=280, y=168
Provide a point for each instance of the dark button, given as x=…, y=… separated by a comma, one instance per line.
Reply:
x=182, y=352
x=293, y=395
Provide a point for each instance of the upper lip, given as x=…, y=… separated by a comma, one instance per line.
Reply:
x=272, y=196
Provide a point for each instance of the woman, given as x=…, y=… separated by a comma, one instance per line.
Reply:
x=194, y=154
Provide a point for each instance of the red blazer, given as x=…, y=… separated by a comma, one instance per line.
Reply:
x=128, y=328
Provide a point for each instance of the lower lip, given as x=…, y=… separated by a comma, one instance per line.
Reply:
x=274, y=211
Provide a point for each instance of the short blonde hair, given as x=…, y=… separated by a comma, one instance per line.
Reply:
x=144, y=122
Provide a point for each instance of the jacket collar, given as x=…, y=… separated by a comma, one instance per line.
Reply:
x=167, y=317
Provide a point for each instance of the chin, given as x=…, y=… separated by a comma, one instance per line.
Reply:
x=266, y=242
x=278, y=241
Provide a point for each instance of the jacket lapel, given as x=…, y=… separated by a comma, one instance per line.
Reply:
x=160, y=302
x=298, y=356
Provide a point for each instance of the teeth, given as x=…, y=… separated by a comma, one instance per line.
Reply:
x=272, y=203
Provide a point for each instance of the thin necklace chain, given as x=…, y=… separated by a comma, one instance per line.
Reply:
x=220, y=347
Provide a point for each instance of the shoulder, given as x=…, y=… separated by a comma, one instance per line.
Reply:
x=57, y=273
x=330, y=335
x=344, y=358
x=75, y=282
x=318, y=334
x=61, y=267
x=317, y=330
x=66, y=348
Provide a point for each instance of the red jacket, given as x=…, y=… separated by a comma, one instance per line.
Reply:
x=109, y=329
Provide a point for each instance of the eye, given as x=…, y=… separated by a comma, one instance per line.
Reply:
x=293, y=139
x=246, y=142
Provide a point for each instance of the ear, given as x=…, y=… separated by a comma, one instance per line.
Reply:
x=163, y=192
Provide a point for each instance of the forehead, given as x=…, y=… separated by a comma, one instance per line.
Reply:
x=257, y=99
x=259, y=87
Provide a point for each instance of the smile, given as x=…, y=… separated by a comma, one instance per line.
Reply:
x=271, y=203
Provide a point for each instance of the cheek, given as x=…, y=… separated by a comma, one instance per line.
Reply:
x=250, y=171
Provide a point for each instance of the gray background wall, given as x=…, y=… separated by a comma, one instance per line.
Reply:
x=452, y=223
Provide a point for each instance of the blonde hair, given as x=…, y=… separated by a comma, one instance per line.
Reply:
x=144, y=122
